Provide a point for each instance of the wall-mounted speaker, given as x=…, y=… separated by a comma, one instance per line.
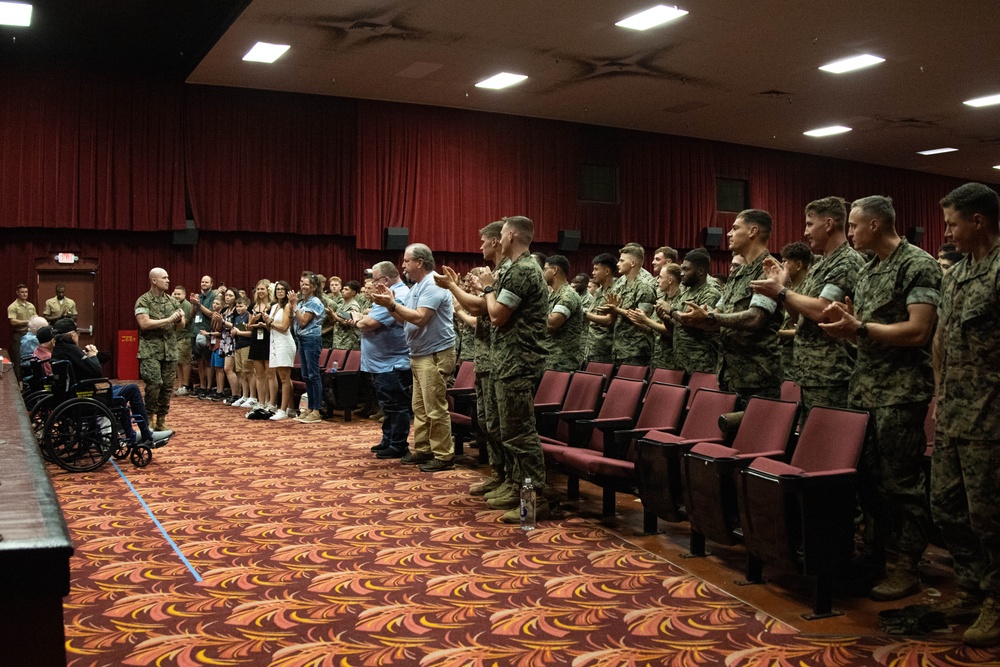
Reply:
x=569, y=240
x=395, y=238
x=188, y=235
x=711, y=237
x=915, y=235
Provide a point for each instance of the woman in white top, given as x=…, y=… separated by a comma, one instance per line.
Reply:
x=279, y=321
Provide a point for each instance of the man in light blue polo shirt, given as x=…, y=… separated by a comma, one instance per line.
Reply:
x=385, y=355
x=427, y=317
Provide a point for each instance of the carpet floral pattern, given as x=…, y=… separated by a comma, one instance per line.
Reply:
x=311, y=553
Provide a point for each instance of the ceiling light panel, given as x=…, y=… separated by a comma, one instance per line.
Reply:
x=851, y=64
x=501, y=80
x=15, y=13
x=827, y=131
x=937, y=151
x=263, y=52
x=651, y=17
x=983, y=101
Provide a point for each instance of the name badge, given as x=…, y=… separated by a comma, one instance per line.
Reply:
x=260, y=334
x=197, y=318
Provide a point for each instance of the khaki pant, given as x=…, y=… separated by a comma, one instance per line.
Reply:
x=431, y=419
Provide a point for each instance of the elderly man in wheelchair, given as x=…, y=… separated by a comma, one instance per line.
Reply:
x=87, y=419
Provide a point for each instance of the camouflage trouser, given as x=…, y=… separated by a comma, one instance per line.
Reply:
x=159, y=378
x=831, y=396
x=891, y=479
x=489, y=421
x=743, y=394
x=965, y=476
x=516, y=410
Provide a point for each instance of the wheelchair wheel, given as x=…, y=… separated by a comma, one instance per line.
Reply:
x=80, y=435
x=34, y=398
x=38, y=417
x=123, y=450
x=141, y=456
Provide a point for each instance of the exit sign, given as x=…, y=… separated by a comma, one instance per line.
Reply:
x=66, y=258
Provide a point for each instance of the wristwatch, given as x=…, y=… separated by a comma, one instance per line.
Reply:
x=488, y=289
x=782, y=294
x=861, y=331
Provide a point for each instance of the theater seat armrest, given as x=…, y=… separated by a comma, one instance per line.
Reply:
x=609, y=424
x=572, y=415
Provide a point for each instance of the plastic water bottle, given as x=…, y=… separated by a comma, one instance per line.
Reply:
x=527, y=505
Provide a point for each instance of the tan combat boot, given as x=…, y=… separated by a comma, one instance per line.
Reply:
x=986, y=630
x=903, y=582
x=488, y=484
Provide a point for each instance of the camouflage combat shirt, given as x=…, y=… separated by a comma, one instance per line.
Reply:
x=517, y=345
x=821, y=360
x=159, y=343
x=968, y=329
x=750, y=358
x=887, y=375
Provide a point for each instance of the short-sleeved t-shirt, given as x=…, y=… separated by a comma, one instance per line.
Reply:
x=439, y=333
x=384, y=349
x=315, y=326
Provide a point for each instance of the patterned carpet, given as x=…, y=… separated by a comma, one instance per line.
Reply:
x=312, y=553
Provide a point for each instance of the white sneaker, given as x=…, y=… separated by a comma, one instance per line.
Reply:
x=249, y=402
x=238, y=403
x=181, y=391
x=279, y=415
x=271, y=408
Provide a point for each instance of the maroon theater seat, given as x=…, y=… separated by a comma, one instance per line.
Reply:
x=708, y=471
x=801, y=514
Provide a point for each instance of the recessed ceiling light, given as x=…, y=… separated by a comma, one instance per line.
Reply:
x=501, y=80
x=850, y=64
x=983, y=101
x=651, y=17
x=15, y=13
x=935, y=151
x=262, y=52
x=997, y=166
x=827, y=131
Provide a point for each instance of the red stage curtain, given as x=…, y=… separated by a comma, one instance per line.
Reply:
x=259, y=161
x=446, y=173
x=89, y=153
x=668, y=190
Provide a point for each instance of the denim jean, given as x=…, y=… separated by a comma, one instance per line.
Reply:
x=392, y=392
x=309, y=349
x=133, y=397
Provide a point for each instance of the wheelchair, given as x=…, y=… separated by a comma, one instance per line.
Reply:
x=79, y=424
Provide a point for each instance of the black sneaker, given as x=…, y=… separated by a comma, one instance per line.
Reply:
x=392, y=453
x=380, y=446
x=415, y=458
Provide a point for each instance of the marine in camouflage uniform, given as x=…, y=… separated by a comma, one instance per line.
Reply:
x=751, y=362
x=466, y=336
x=663, y=344
x=346, y=337
x=632, y=344
x=158, y=351
x=823, y=365
x=965, y=473
x=600, y=338
x=486, y=396
x=518, y=362
x=565, y=344
x=695, y=349
x=894, y=384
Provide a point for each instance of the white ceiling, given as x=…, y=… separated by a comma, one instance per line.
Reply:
x=736, y=71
